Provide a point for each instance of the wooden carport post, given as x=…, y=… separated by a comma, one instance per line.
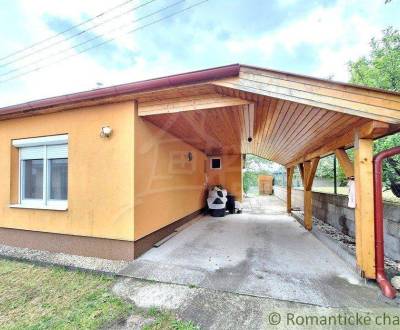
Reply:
x=289, y=179
x=309, y=167
x=364, y=212
x=307, y=172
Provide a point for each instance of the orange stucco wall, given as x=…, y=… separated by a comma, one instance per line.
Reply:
x=124, y=187
x=100, y=172
x=229, y=176
x=167, y=185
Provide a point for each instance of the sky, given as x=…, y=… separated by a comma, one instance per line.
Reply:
x=312, y=37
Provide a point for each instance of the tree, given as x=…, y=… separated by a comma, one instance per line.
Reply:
x=325, y=169
x=381, y=69
x=387, y=170
x=254, y=167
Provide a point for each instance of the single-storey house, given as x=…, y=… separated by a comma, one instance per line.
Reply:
x=111, y=171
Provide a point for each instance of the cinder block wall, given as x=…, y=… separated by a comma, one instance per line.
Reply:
x=333, y=210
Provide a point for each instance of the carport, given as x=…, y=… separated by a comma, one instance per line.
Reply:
x=262, y=252
x=290, y=119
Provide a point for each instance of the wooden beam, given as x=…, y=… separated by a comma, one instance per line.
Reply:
x=364, y=212
x=308, y=223
x=301, y=170
x=289, y=179
x=307, y=197
x=311, y=174
x=345, y=162
x=189, y=103
x=371, y=129
x=310, y=167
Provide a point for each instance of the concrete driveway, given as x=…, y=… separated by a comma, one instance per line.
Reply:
x=262, y=252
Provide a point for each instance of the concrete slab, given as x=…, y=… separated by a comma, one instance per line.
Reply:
x=263, y=253
x=211, y=309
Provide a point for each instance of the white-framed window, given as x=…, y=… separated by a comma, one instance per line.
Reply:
x=43, y=172
x=215, y=163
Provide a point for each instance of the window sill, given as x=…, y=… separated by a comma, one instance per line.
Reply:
x=40, y=207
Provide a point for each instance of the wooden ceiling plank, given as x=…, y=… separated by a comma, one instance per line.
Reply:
x=232, y=128
x=285, y=129
x=262, y=120
x=316, y=118
x=319, y=132
x=293, y=126
x=309, y=136
x=264, y=117
x=258, y=105
x=284, y=113
x=306, y=115
x=276, y=112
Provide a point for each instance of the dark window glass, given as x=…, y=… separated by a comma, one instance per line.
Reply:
x=216, y=163
x=33, y=179
x=58, y=177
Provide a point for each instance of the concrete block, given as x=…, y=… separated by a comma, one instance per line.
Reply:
x=317, y=203
x=349, y=213
x=392, y=228
x=332, y=209
x=352, y=229
x=392, y=247
x=392, y=212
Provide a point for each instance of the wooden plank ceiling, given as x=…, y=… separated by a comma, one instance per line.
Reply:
x=295, y=117
x=283, y=130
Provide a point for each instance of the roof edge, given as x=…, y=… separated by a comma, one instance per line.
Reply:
x=334, y=82
x=176, y=80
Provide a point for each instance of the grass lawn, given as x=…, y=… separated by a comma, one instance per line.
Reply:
x=166, y=321
x=33, y=297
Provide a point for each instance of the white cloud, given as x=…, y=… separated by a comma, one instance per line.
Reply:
x=79, y=72
x=337, y=34
x=333, y=35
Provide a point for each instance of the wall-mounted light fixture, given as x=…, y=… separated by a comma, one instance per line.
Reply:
x=189, y=156
x=106, y=131
x=249, y=121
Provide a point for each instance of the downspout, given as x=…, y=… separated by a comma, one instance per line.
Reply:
x=381, y=279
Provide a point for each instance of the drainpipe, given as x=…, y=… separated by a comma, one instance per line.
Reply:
x=381, y=279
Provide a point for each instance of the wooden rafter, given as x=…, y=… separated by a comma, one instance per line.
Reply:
x=301, y=170
x=189, y=103
x=311, y=170
x=345, y=162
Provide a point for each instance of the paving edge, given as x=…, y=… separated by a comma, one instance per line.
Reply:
x=46, y=260
x=347, y=255
x=55, y=264
x=335, y=246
